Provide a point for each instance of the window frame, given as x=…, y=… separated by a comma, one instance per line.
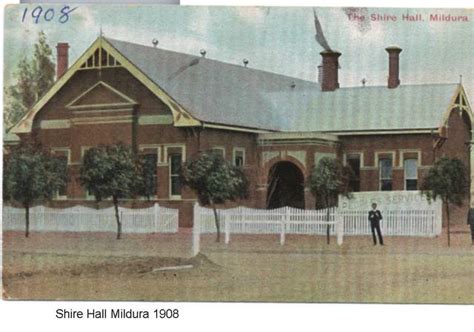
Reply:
x=234, y=155
x=56, y=195
x=405, y=178
x=380, y=173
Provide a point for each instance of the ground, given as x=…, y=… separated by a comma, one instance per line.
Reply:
x=88, y=266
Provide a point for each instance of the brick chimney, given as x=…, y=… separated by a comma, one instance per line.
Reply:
x=62, y=59
x=393, y=66
x=330, y=69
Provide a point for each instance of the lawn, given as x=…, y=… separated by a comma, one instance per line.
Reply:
x=87, y=266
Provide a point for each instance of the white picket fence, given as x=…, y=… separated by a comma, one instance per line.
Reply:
x=155, y=219
x=425, y=222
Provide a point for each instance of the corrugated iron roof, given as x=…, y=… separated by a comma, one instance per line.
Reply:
x=223, y=93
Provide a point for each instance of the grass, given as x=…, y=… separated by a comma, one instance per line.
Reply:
x=251, y=268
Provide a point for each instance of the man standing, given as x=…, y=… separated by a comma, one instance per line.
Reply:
x=374, y=217
x=470, y=221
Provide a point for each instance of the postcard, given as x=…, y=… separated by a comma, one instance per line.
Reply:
x=237, y=154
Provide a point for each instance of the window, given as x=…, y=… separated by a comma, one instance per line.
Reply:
x=64, y=155
x=219, y=151
x=239, y=157
x=385, y=167
x=353, y=161
x=175, y=159
x=150, y=159
x=411, y=174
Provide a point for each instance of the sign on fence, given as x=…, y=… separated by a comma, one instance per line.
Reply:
x=155, y=219
x=388, y=200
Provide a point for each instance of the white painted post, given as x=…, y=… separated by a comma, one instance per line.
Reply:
x=339, y=227
x=196, y=229
x=283, y=225
x=226, y=222
x=156, y=216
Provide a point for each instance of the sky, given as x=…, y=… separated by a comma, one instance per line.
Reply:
x=276, y=39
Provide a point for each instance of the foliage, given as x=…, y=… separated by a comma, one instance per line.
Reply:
x=447, y=179
x=147, y=186
x=215, y=181
x=31, y=176
x=33, y=79
x=328, y=180
x=110, y=171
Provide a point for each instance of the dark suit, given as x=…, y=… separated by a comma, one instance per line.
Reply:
x=470, y=221
x=374, y=217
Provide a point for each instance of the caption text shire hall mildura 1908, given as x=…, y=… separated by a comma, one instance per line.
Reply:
x=119, y=313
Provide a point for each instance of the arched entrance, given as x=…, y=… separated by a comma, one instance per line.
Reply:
x=285, y=186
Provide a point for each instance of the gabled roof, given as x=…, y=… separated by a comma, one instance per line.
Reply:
x=203, y=91
x=214, y=91
x=223, y=93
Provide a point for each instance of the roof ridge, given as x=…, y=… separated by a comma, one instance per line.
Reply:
x=291, y=78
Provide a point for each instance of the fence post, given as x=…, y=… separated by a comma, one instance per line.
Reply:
x=285, y=220
x=196, y=229
x=226, y=222
x=156, y=218
x=339, y=227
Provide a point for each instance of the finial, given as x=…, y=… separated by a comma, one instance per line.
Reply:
x=155, y=42
x=363, y=81
x=460, y=79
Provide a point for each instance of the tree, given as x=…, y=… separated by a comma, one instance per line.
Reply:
x=33, y=79
x=215, y=181
x=327, y=181
x=43, y=66
x=110, y=171
x=31, y=176
x=448, y=180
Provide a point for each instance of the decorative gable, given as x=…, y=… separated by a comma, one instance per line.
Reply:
x=101, y=96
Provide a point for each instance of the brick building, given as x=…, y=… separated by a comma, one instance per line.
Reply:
x=169, y=106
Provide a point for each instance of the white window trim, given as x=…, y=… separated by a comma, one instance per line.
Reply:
x=68, y=150
x=157, y=147
x=84, y=150
x=220, y=148
x=173, y=197
x=377, y=160
x=378, y=153
x=143, y=147
x=56, y=195
x=173, y=146
x=407, y=151
x=405, y=174
x=234, y=154
x=361, y=158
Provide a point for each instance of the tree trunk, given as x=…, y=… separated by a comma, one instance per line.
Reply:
x=117, y=218
x=216, y=219
x=27, y=219
x=447, y=216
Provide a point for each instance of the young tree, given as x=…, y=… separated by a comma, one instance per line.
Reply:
x=110, y=171
x=33, y=78
x=31, y=176
x=215, y=181
x=448, y=180
x=327, y=181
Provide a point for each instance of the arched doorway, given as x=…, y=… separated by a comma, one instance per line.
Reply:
x=285, y=186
